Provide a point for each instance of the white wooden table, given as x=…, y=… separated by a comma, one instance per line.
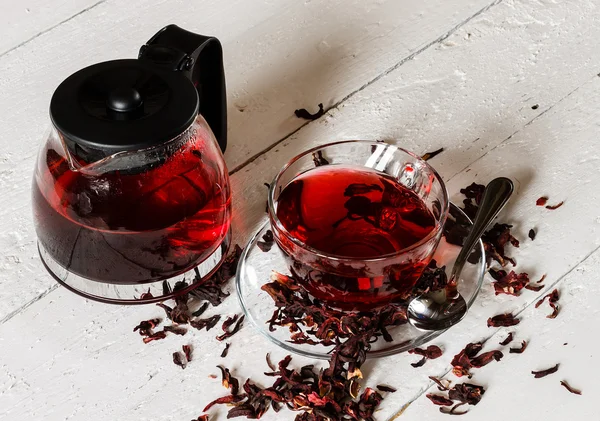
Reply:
x=507, y=87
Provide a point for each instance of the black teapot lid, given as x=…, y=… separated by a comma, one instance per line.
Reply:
x=125, y=105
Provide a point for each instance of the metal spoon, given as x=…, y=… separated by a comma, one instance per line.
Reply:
x=441, y=309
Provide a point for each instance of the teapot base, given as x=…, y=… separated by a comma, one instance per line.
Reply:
x=137, y=293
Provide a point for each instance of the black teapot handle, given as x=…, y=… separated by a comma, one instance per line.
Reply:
x=200, y=58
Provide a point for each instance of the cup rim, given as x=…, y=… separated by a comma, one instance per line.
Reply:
x=339, y=258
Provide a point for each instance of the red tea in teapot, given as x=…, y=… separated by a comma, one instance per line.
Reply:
x=354, y=213
x=133, y=227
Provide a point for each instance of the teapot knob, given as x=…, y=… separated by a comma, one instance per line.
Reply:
x=124, y=99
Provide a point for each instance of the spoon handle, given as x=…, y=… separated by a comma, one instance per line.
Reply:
x=495, y=196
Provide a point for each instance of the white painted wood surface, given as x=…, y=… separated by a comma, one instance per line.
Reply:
x=459, y=74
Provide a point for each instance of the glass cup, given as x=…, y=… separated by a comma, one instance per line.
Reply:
x=362, y=275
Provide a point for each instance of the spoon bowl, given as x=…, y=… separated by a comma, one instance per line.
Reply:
x=442, y=309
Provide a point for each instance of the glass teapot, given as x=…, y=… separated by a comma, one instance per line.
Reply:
x=131, y=192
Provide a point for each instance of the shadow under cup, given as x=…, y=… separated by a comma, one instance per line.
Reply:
x=357, y=282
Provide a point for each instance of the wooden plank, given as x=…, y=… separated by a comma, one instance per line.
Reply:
x=72, y=342
x=279, y=56
x=24, y=20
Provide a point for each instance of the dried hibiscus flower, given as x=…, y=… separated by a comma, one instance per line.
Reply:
x=385, y=388
x=155, y=336
x=468, y=358
x=326, y=394
x=466, y=393
x=544, y=373
x=552, y=300
x=473, y=194
x=145, y=327
x=460, y=394
x=228, y=333
x=508, y=339
x=495, y=240
x=187, y=350
x=553, y=207
x=503, y=320
x=305, y=114
x=319, y=159
x=225, y=350
x=439, y=400
x=440, y=385
x=541, y=201
x=208, y=323
x=211, y=290
x=178, y=359
x=509, y=283
x=200, y=310
x=267, y=241
x=429, y=155
x=177, y=330
x=519, y=350
x=431, y=352
x=452, y=410
x=569, y=388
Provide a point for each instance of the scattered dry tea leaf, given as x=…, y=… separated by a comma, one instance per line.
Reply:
x=519, y=350
x=427, y=156
x=466, y=393
x=495, y=241
x=569, y=388
x=229, y=321
x=207, y=324
x=532, y=234
x=225, y=350
x=468, y=358
x=269, y=363
x=508, y=339
x=544, y=373
x=541, y=201
x=319, y=159
x=503, y=320
x=228, y=333
x=200, y=310
x=439, y=382
x=177, y=330
x=439, y=399
x=509, y=283
x=553, y=298
x=385, y=388
x=486, y=358
x=453, y=410
x=305, y=114
x=267, y=241
x=431, y=352
x=228, y=381
x=178, y=359
x=419, y=363
x=211, y=290
x=473, y=194
x=145, y=327
x=553, y=207
x=146, y=295
x=187, y=350
x=155, y=336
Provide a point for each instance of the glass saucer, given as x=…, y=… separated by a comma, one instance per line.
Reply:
x=255, y=269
